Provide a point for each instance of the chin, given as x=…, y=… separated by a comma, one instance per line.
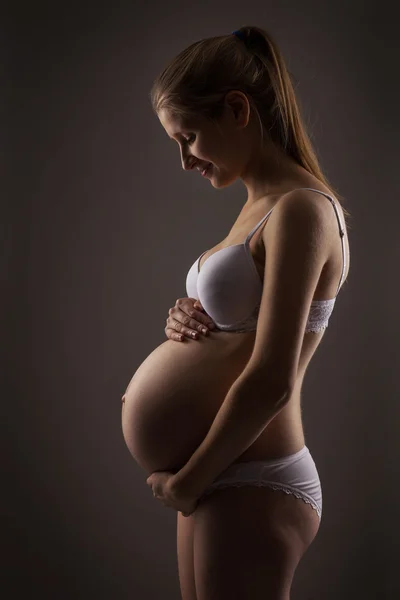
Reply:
x=223, y=183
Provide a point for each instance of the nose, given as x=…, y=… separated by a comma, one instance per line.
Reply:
x=187, y=165
x=187, y=162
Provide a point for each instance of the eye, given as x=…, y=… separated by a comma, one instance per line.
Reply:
x=191, y=139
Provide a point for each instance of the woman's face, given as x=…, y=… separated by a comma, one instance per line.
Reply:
x=202, y=142
x=234, y=148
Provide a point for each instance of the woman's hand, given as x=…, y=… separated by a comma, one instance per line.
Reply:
x=164, y=488
x=187, y=319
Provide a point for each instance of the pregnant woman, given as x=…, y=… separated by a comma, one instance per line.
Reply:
x=216, y=419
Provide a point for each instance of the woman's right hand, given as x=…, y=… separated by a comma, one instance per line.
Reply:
x=186, y=319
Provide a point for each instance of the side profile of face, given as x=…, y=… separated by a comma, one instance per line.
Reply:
x=228, y=144
x=233, y=147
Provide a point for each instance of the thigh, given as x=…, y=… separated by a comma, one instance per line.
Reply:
x=248, y=542
x=185, y=531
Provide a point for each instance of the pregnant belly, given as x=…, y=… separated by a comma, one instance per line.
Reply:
x=174, y=395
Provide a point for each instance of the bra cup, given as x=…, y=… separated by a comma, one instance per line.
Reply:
x=227, y=287
x=191, y=281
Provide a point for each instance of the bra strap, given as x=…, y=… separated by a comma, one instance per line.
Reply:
x=248, y=238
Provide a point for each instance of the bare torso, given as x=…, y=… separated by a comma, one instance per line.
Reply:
x=175, y=394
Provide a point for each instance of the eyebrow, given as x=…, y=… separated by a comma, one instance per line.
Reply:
x=181, y=132
x=176, y=134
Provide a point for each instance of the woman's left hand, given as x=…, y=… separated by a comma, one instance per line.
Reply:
x=163, y=484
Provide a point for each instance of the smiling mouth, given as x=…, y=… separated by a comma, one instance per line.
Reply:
x=206, y=170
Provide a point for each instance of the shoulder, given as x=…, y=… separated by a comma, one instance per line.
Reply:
x=300, y=210
x=305, y=201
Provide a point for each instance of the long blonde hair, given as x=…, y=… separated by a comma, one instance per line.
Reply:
x=195, y=83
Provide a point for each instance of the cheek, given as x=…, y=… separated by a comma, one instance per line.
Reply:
x=204, y=151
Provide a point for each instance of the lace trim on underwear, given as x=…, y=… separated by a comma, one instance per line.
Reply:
x=316, y=328
x=274, y=486
x=318, y=318
x=319, y=314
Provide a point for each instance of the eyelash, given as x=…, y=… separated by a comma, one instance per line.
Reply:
x=191, y=139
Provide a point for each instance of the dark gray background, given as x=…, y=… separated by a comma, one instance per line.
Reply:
x=99, y=227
